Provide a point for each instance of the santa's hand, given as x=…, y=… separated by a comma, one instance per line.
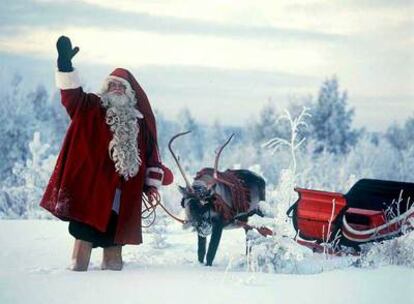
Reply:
x=65, y=54
x=152, y=194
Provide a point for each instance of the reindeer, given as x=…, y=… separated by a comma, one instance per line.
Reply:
x=217, y=200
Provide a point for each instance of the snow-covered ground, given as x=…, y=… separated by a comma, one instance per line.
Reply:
x=35, y=255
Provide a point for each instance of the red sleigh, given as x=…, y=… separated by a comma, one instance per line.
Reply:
x=372, y=210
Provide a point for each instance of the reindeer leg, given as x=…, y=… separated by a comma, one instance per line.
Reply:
x=248, y=245
x=214, y=242
x=201, y=248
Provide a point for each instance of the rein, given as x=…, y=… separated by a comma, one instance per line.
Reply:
x=149, y=210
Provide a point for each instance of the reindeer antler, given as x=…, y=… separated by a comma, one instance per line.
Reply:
x=218, y=156
x=187, y=183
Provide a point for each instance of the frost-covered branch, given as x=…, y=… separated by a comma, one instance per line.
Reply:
x=295, y=124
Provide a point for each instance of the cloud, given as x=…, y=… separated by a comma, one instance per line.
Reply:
x=138, y=48
x=311, y=16
x=143, y=17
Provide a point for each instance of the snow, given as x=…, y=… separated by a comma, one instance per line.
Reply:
x=35, y=255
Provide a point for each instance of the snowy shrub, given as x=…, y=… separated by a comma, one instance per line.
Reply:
x=22, y=199
x=11, y=205
x=281, y=198
x=159, y=230
x=282, y=254
x=275, y=254
x=398, y=251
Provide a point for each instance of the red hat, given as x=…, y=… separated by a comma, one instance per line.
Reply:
x=143, y=104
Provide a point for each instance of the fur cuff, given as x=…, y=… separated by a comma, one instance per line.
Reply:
x=67, y=80
x=154, y=176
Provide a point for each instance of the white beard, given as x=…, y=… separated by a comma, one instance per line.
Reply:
x=122, y=118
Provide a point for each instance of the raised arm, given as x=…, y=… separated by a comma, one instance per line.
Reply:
x=67, y=78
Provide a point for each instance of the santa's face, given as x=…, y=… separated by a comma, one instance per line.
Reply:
x=116, y=87
x=117, y=93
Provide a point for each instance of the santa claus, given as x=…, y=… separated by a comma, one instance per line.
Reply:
x=108, y=160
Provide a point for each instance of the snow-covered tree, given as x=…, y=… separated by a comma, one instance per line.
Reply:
x=402, y=137
x=30, y=177
x=331, y=120
x=17, y=124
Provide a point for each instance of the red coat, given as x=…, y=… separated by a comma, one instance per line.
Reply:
x=83, y=183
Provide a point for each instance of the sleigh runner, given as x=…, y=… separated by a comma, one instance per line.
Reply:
x=372, y=210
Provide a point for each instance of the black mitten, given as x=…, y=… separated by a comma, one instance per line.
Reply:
x=65, y=54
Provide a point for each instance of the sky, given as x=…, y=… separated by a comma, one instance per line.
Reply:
x=225, y=59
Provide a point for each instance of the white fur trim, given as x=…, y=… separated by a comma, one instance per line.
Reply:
x=120, y=79
x=67, y=80
x=151, y=181
x=155, y=170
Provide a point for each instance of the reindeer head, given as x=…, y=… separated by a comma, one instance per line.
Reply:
x=197, y=204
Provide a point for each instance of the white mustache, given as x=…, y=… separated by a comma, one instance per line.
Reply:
x=118, y=100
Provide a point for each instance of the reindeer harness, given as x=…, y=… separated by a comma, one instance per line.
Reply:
x=240, y=194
